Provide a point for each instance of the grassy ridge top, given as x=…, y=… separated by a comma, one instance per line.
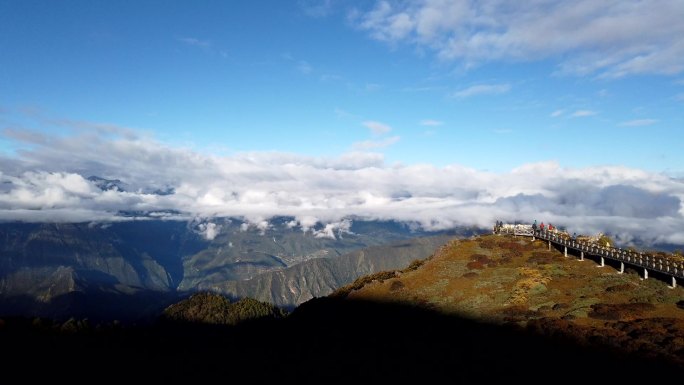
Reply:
x=509, y=280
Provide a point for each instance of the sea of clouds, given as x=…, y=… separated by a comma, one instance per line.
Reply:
x=47, y=181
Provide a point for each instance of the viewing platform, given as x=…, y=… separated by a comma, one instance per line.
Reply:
x=671, y=267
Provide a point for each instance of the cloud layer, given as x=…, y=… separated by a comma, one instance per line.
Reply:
x=611, y=38
x=49, y=181
x=482, y=89
x=377, y=128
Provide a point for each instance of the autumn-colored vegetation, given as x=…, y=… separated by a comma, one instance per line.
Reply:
x=479, y=261
x=615, y=312
x=530, y=317
x=209, y=308
x=414, y=265
x=361, y=282
x=512, y=280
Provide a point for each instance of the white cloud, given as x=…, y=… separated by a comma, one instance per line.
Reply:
x=482, y=89
x=317, y=8
x=557, y=113
x=638, y=123
x=424, y=89
x=301, y=66
x=377, y=128
x=371, y=87
x=206, y=46
x=48, y=183
x=329, y=230
x=209, y=230
x=431, y=123
x=304, y=67
x=375, y=144
x=343, y=114
x=583, y=113
x=330, y=78
x=610, y=38
x=195, y=42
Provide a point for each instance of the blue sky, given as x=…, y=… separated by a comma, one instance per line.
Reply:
x=303, y=77
x=429, y=110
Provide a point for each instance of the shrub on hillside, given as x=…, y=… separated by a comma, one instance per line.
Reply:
x=543, y=258
x=480, y=261
x=488, y=243
x=250, y=309
x=513, y=249
x=414, y=265
x=363, y=281
x=396, y=285
x=512, y=245
x=619, y=288
x=517, y=313
x=619, y=311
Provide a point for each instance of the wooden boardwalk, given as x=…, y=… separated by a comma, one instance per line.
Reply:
x=668, y=266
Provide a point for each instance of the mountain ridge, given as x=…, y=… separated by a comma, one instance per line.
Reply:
x=508, y=280
x=67, y=262
x=401, y=325
x=321, y=276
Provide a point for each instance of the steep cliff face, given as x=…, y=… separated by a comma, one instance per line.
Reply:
x=39, y=260
x=320, y=277
x=60, y=270
x=237, y=254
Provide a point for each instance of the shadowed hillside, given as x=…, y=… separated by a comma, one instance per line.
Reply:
x=479, y=311
x=210, y=308
x=324, y=341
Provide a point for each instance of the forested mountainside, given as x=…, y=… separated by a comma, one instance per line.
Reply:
x=133, y=267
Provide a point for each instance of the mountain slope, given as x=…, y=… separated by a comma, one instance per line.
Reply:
x=210, y=308
x=60, y=270
x=64, y=256
x=507, y=280
x=321, y=276
x=392, y=327
x=238, y=254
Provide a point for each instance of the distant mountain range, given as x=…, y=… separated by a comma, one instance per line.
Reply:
x=321, y=276
x=127, y=269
